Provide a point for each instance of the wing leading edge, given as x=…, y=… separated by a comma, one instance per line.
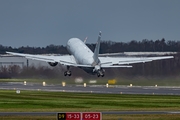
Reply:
x=64, y=59
x=106, y=62
x=129, y=60
x=68, y=60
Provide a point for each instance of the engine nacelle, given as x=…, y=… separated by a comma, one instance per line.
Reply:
x=53, y=64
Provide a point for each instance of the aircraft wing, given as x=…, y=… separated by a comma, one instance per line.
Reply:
x=68, y=60
x=115, y=61
x=64, y=59
x=106, y=62
x=135, y=54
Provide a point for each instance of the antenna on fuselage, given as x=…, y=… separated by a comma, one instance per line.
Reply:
x=85, y=39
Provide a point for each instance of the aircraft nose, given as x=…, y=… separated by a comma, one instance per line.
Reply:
x=73, y=40
x=69, y=42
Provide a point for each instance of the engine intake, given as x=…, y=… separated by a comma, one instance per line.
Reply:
x=53, y=64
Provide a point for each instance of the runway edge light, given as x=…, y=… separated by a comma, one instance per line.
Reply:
x=18, y=91
x=107, y=85
x=63, y=84
x=24, y=82
x=84, y=84
x=44, y=83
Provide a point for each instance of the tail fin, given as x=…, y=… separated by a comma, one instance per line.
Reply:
x=96, y=51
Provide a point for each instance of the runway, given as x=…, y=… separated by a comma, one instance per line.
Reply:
x=98, y=89
x=115, y=89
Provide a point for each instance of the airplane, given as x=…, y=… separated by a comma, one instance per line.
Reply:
x=91, y=62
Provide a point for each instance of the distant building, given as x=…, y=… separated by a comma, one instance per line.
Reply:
x=6, y=60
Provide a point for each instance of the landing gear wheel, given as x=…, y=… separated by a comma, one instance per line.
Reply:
x=65, y=73
x=98, y=75
x=69, y=73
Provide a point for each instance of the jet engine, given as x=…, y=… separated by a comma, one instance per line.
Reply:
x=53, y=64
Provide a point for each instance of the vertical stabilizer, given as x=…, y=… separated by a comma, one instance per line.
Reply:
x=96, y=51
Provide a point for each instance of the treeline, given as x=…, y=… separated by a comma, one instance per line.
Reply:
x=15, y=71
x=164, y=68
x=160, y=68
x=106, y=47
x=55, y=49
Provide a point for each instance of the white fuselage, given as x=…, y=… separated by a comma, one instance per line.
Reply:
x=82, y=54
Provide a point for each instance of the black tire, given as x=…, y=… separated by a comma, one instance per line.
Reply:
x=65, y=73
x=69, y=73
x=98, y=75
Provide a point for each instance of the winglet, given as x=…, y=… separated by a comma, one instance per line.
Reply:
x=96, y=51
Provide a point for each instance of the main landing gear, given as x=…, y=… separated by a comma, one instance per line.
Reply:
x=67, y=73
x=100, y=73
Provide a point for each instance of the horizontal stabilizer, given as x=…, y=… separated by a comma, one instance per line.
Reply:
x=116, y=66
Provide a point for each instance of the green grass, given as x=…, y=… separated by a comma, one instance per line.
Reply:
x=104, y=117
x=62, y=101
x=39, y=101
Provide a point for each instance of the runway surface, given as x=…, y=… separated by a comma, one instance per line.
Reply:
x=115, y=89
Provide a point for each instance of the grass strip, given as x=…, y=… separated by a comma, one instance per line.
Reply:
x=40, y=101
x=63, y=101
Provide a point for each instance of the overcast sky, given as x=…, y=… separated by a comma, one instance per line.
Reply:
x=43, y=22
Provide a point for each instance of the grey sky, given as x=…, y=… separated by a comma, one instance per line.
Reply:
x=43, y=22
